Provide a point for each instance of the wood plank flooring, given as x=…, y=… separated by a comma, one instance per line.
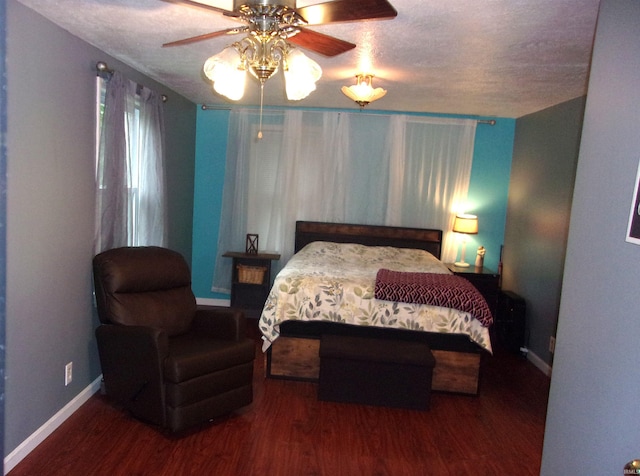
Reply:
x=287, y=431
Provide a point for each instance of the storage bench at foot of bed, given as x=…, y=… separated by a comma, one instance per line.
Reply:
x=373, y=371
x=298, y=358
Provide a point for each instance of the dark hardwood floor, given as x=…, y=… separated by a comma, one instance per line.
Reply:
x=287, y=431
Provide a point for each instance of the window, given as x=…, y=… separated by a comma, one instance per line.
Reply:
x=129, y=178
x=343, y=167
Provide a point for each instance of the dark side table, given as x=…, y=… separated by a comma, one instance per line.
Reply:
x=485, y=280
x=250, y=280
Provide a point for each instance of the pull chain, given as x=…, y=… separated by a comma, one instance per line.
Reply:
x=261, y=102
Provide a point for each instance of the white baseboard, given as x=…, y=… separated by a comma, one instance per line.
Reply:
x=213, y=302
x=539, y=363
x=37, y=437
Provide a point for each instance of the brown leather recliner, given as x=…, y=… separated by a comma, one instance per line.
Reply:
x=164, y=359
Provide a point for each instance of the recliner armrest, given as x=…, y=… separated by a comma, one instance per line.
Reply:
x=140, y=340
x=222, y=322
x=132, y=359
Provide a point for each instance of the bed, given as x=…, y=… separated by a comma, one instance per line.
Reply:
x=292, y=322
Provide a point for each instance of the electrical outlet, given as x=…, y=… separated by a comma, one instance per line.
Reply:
x=552, y=344
x=68, y=373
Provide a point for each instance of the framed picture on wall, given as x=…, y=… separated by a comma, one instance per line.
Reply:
x=633, y=228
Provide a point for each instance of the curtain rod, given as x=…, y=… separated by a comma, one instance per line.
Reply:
x=102, y=68
x=222, y=107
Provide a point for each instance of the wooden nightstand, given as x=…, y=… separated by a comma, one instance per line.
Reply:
x=485, y=280
x=250, y=285
x=510, y=322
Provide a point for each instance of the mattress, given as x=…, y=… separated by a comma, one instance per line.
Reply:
x=335, y=282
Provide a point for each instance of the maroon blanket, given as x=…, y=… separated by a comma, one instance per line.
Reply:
x=445, y=290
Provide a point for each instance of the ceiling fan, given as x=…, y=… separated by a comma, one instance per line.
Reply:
x=271, y=27
x=281, y=18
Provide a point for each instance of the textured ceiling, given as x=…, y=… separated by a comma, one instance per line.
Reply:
x=505, y=58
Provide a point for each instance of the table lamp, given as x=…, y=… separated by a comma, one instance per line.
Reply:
x=467, y=225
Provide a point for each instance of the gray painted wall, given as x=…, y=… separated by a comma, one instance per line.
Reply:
x=540, y=190
x=594, y=408
x=3, y=214
x=50, y=213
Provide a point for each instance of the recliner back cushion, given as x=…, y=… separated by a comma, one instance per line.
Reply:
x=144, y=286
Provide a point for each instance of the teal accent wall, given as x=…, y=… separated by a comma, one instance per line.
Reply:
x=211, y=152
x=488, y=192
x=489, y=188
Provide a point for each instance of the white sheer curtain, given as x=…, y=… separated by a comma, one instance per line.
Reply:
x=151, y=227
x=343, y=167
x=130, y=187
x=429, y=172
x=300, y=158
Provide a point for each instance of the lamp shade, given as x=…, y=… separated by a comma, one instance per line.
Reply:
x=227, y=73
x=467, y=224
x=300, y=75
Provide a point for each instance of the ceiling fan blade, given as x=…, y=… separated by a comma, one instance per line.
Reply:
x=206, y=36
x=203, y=4
x=347, y=10
x=320, y=43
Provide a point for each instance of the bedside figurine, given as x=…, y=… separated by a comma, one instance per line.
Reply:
x=480, y=257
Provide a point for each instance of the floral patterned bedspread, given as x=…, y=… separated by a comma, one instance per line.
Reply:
x=336, y=282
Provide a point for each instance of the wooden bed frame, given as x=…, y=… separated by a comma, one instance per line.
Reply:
x=295, y=354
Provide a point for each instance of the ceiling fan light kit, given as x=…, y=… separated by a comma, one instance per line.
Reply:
x=272, y=26
x=262, y=57
x=363, y=92
x=263, y=52
x=300, y=74
x=226, y=73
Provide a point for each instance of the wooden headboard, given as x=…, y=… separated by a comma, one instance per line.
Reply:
x=371, y=235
